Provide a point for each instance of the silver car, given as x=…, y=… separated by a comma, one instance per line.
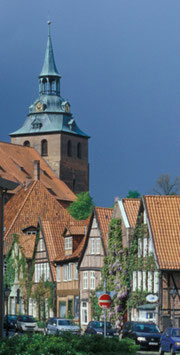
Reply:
x=26, y=323
x=58, y=325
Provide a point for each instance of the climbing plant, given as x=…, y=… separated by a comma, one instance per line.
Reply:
x=119, y=265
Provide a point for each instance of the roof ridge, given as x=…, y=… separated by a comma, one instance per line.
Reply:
x=104, y=208
x=23, y=203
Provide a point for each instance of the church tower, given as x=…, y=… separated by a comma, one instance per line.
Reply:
x=51, y=129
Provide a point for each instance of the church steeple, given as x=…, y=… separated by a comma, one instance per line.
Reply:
x=49, y=79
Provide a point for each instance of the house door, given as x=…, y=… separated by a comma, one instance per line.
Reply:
x=62, y=309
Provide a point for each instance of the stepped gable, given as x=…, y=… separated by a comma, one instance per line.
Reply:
x=164, y=218
x=131, y=206
x=104, y=216
x=17, y=163
x=28, y=206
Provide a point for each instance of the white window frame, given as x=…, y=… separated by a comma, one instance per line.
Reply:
x=58, y=273
x=156, y=281
x=92, y=280
x=65, y=272
x=41, y=245
x=92, y=245
x=84, y=312
x=139, y=279
x=40, y=270
x=76, y=272
x=150, y=280
x=68, y=243
x=134, y=280
x=85, y=280
x=97, y=245
x=69, y=272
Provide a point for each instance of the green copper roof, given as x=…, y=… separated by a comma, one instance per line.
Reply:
x=49, y=66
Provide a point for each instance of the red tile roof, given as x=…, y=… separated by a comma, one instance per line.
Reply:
x=17, y=162
x=26, y=207
x=131, y=206
x=104, y=216
x=164, y=217
x=27, y=243
x=75, y=226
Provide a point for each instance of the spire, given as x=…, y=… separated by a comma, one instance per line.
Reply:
x=49, y=66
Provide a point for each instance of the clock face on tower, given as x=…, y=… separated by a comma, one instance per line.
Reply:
x=39, y=107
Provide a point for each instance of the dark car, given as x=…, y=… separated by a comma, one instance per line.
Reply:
x=146, y=334
x=97, y=327
x=10, y=321
x=170, y=341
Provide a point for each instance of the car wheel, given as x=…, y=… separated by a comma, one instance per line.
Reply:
x=172, y=351
x=161, y=352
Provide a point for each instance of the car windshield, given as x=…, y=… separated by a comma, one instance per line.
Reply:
x=176, y=332
x=27, y=319
x=66, y=322
x=12, y=317
x=101, y=325
x=146, y=328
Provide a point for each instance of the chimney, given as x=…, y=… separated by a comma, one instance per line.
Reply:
x=36, y=170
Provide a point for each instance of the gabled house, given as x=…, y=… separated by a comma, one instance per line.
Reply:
x=158, y=241
x=91, y=259
x=33, y=211
x=67, y=276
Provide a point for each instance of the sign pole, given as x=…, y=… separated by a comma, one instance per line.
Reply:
x=104, y=311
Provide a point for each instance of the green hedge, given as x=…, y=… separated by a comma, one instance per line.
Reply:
x=67, y=343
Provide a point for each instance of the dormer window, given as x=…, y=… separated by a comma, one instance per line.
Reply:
x=68, y=243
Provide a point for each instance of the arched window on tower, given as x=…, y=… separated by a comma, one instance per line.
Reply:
x=79, y=150
x=26, y=144
x=69, y=149
x=44, y=147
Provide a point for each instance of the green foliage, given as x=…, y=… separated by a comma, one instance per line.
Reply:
x=118, y=268
x=9, y=275
x=133, y=194
x=82, y=207
x=138, y=298
x=66, y=344
x=96, y=310
x=42, y=292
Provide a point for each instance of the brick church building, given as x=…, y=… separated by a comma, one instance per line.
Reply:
x=52, y=130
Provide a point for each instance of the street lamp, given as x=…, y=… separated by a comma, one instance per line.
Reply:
x=173, y=294
x=7, y=292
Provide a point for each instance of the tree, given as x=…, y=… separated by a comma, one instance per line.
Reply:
x=82, y=207
x=43, y=295
x=133, y=194
x=164, y=185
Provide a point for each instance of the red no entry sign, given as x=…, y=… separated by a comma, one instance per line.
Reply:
x=104, y=301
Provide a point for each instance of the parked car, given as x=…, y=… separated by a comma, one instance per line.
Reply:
x=10, y=321
x=58, y=325
x=146, y=334
x=26, y=323
x=170, y=341
x=97, y=327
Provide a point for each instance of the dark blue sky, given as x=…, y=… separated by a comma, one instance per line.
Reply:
x=120, y=67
